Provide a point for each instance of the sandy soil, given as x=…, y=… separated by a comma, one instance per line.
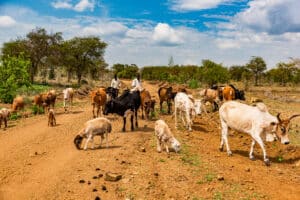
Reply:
x=41, y=162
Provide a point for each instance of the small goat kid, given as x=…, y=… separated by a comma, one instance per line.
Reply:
x=99, y=126
x=255, y=121
x=4, y=115
x=51, y=117
x=164, y=136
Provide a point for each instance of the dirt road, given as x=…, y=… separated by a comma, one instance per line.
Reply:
x=41, y=162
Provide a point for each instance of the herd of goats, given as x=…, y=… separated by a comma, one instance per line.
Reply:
x=254, y=119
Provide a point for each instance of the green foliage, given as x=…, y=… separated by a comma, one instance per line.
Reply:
x=284, y=73
x=15, y=116
x=212, y=73
x=37, y=110
x=125, y=71
x=257, y=66
x=236, y=72
x=193, y=84
x=13, y=75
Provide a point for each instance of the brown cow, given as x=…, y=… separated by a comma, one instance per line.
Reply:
x=45, y=100
x=146, y=103
x=212, y=96
x=18, y=104
x=166, y=94
x=98, y=98
x=228, y=93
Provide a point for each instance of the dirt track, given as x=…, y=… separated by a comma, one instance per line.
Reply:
x=41, y=162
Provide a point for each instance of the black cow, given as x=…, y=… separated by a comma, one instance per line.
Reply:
x=112, y=92
x=239, y=94
x=127, y=101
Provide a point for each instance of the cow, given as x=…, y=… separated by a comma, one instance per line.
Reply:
x=255, y=121
x=147, y=103
x=98, y=98
x=166, y=94
x=127, y=102
x=212, y=96
x=239, y=94
x=68, y=97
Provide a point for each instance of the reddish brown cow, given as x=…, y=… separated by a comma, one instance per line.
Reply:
x=146, y=103
x=228, y=93
x=98, y=98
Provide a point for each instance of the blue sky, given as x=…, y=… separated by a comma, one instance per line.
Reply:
x=148, y=32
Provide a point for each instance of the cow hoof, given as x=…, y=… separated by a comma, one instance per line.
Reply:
x=221, y=149
x=229, y=153
x=252, y=158
x=267, y=162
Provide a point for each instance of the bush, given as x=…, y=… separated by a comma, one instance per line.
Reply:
x=193, y=84
x=37, y=110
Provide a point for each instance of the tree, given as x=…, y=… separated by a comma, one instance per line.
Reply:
x=257, y=66
x=236, y=72
x=38, y=46
x=82, y=55
x=13, y=75
x=213, y=73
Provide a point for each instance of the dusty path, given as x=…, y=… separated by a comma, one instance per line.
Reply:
x=41, y=162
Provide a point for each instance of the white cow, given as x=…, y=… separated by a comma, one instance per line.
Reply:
x=253, y=120
x=68, y=97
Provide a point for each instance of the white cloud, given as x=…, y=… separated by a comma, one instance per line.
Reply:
x=81, y=6
x=272, y=16
x=165, y=35
x=105, y=28
x=64, y=4
x=84, y=5
x=6, y=21
x=191, y=5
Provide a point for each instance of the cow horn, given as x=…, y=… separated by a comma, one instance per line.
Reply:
x=278, y=117
x=293, y=116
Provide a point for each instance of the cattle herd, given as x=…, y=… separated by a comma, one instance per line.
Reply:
x=254, y=120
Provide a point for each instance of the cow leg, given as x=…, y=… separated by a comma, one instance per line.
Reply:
x=160, y=105
x=167, y=148
x=94, y=111
x=136, y=119
x=131, y=121
x=142, y=107
x=225, y=138
x=175, y=113
x=124, y=124
x=251, y=150
x=188, y=121
x=106, y=139
x=169, y=106
x=258, y=139
x=5, y=122
x=65, y=107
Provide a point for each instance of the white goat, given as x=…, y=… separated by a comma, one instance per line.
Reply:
x=253, y=120
x=98, y=126
x=184, y=103
x=164, y=136
x=68, y=97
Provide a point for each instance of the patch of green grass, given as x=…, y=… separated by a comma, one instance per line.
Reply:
x=15, y=116
x=218, y=196
x=37, y=110
x=162, y=160
x=209, y=177
x=280, y=158
x=189, y=158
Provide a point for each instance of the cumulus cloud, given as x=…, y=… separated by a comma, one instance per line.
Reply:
x=81, y=6
x=6, y=21
x=109, y=28
x=273, y=17
x=165, y=35
x=192, y=5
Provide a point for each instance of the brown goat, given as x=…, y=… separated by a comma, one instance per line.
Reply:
x=146, y=103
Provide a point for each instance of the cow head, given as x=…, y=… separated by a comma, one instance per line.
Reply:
x=241, y=95
x=111, y=92
x=283, y=128
x=77, y=141
x=109, y=106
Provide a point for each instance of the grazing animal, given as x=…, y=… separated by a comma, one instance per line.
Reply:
x=128, y=101
x=68, y=97
x=51, y=117
x=228, y=93
x=184, y=104
x=49, y=99
x=98, y=98
x=112, y=92
x=253, y=120
x=166, y=94
x=147, y=103
x=239, y=94
x=4, y=116
x=38, y=100
x=18, y=104
x=98, y=126
x=164, y=137
x=212, y=96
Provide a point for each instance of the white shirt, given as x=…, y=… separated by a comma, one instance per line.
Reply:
x=136, y=85
x=115, y=83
